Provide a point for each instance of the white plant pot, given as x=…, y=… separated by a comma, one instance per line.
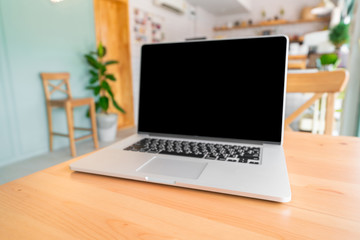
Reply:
x=328, y=67
x=107, y=126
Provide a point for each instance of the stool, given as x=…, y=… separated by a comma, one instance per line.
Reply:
x=68, y=104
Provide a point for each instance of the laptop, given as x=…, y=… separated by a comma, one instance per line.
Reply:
x=211, y=117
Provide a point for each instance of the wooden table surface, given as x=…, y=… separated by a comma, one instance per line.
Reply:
x=57, y=203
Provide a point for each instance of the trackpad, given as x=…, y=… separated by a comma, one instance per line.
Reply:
x=173, y=168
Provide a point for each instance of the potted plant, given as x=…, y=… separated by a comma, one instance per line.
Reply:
x=339, y=35
x=99, y=84
x=329, y=61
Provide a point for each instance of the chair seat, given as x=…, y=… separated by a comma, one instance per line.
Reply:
x=74, y=102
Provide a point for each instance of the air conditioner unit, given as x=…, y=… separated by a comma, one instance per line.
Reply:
x=177, y=6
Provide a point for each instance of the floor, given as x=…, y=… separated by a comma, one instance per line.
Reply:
x=28, y=166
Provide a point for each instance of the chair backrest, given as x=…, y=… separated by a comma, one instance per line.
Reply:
x=317, y=82
x=61, y=78
x=329, y=82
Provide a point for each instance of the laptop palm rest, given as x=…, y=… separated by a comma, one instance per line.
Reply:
x=173, y=168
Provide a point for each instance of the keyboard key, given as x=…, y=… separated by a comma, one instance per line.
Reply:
x=232, y=160
x=243, y=160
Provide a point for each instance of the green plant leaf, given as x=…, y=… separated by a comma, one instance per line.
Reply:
x=328, y=58
x=97, y=106
x=107, y=87
x=105, y=50
x=97, y=90
x=339, y=34
x=110, y=62
x=94, y=79
x=101, y=50
x=93, y=73
x=92, y=61
x=117, y=106
x=102, y=68
x=110, y=77
x=104, y=103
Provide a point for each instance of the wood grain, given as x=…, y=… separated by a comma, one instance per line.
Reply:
x=297, y=65
x=297, y=57
x=57, y=203
x=330, y=108
x=319, y=82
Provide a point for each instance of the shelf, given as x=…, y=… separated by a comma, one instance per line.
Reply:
x=272, y=23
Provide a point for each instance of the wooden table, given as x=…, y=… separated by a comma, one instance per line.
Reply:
x=57, y=203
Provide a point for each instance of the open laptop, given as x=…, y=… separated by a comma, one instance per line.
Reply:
x=211, y=117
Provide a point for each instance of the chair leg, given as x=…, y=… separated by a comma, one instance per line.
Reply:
x=70, y=124
x=329, y=119
x=93, y=124
x=48, y=108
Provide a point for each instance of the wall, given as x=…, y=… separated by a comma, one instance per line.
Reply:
x=176, y=27
x=272, y=8
x=351, y=111
x=39, y=36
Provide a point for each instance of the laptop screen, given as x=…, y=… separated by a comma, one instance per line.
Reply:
x=231, y=89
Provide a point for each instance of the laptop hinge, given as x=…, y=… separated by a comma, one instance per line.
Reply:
x=271, y=145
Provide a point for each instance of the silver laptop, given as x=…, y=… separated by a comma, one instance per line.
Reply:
x=211, y=117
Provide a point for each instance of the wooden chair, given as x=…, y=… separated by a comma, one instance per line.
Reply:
x=68, y=104
x=329, y=82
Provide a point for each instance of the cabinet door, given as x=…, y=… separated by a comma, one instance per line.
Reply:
x=112, y=29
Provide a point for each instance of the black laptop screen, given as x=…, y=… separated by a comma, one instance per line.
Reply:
x=218, y=89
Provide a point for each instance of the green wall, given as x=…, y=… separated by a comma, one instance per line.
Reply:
x=40, y=36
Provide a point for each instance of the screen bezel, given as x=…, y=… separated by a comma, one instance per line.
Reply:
x=217, y=138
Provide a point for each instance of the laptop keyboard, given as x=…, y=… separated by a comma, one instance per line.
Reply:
x=210, y=151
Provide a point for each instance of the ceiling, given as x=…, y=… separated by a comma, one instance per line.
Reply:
x=222, y=7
